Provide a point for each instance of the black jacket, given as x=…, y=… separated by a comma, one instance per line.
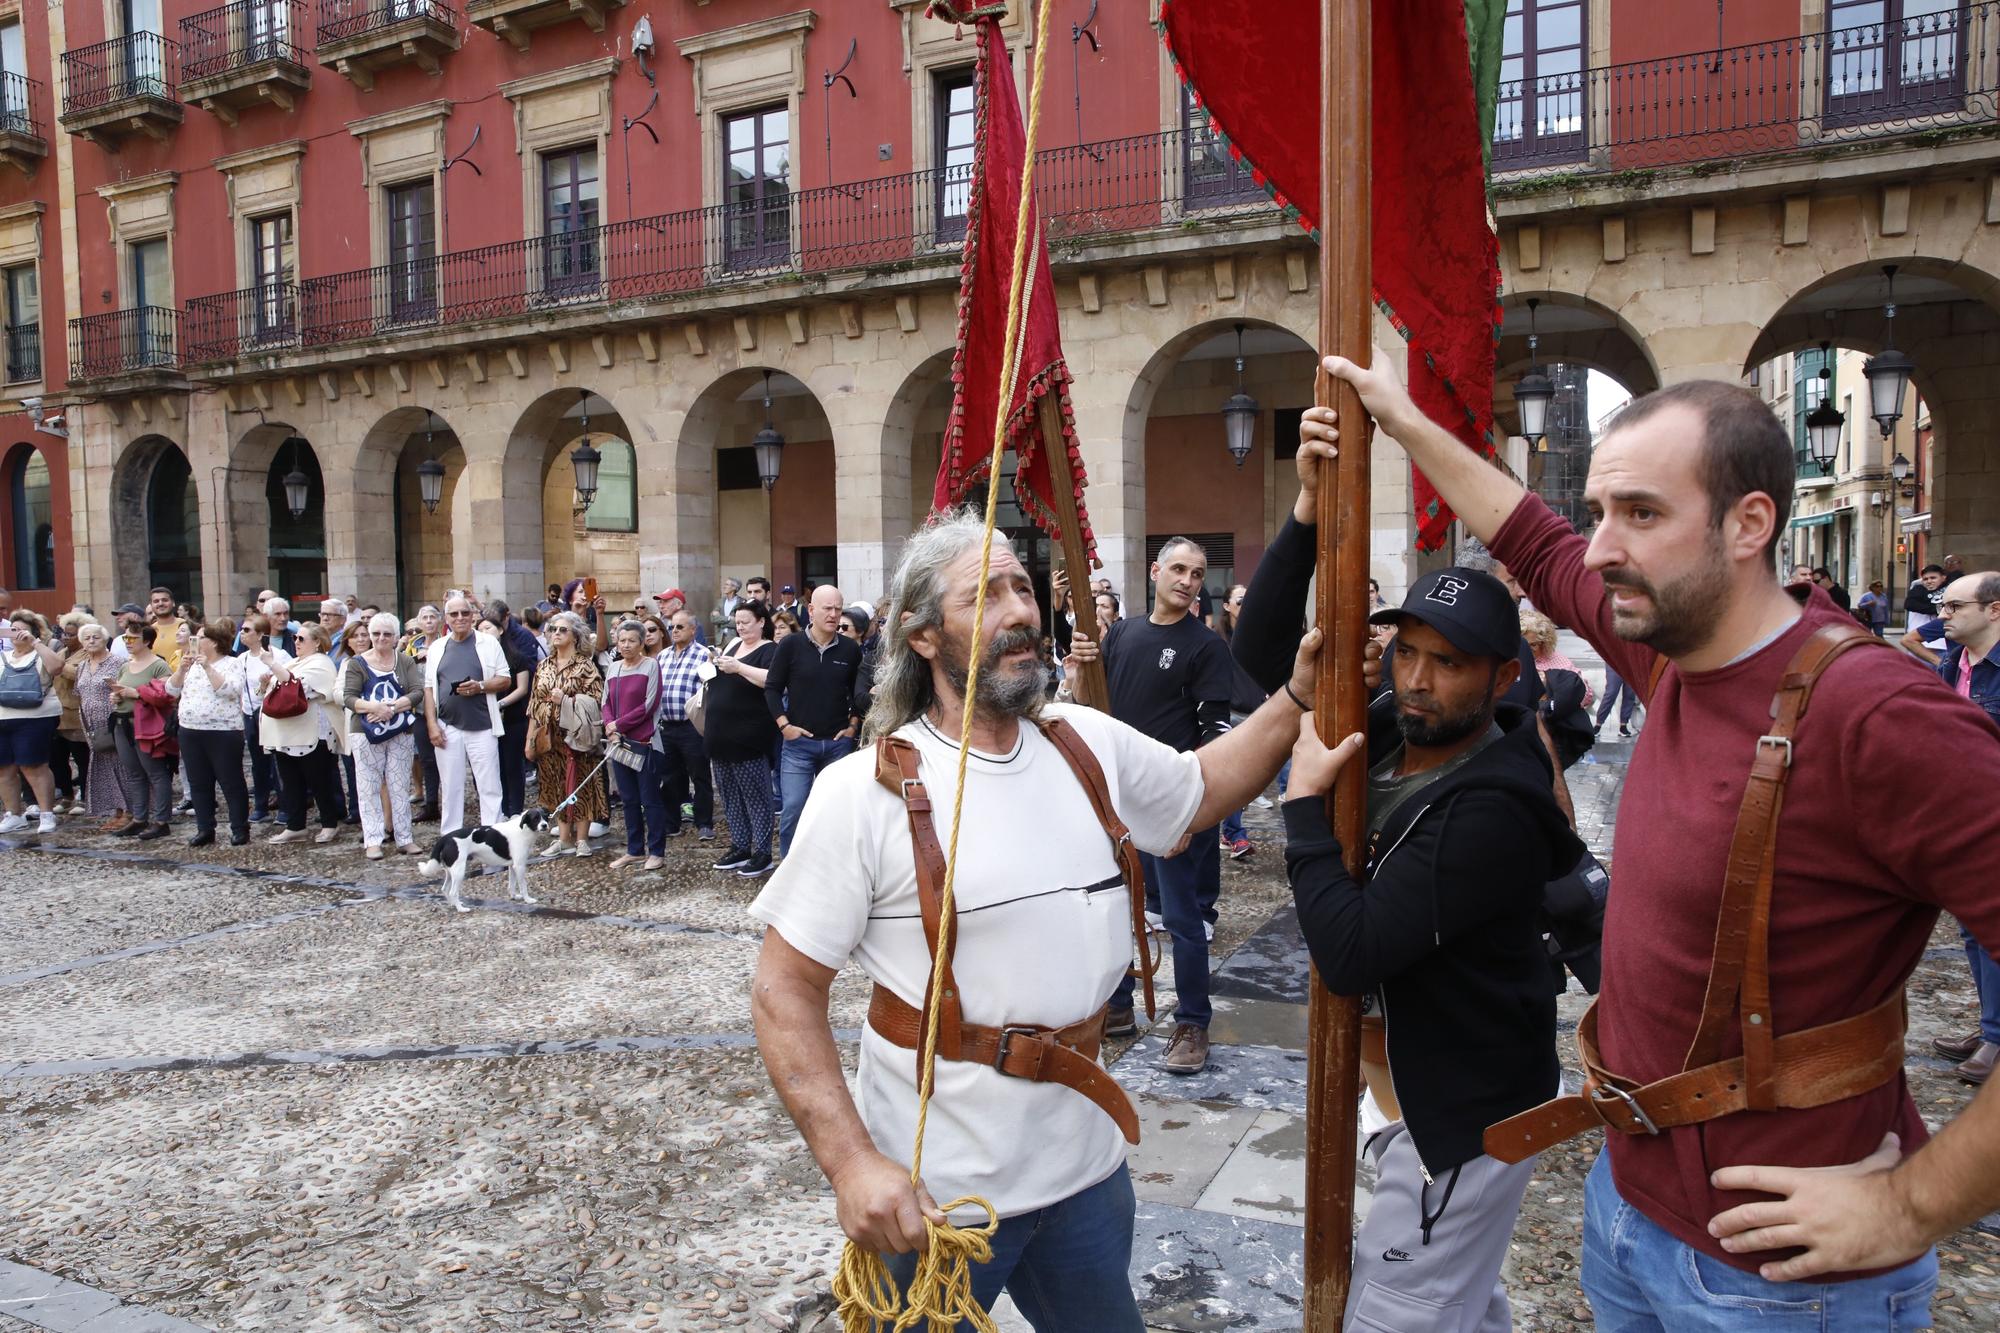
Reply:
x=1449, y=927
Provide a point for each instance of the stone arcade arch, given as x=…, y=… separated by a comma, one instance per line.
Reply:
x=417, y=554
x=156, y=521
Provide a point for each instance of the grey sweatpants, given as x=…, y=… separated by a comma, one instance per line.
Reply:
x=1444, y=1277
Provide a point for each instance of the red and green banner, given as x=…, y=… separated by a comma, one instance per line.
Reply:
x=1436, y=258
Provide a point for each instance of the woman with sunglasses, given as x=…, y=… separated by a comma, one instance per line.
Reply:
x=567, y=672
x=381, y=688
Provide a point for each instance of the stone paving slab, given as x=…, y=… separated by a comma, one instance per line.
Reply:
x=1260, y=1077
x=1272, y=964
x=1259, y=1023
x=77, y=908
x=1198, y=1271
x=1182, y=1145
x=1265, y=1175
x=32, y=1299
x=390, y=973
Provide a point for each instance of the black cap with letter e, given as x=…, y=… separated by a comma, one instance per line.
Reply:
x=1469, y=607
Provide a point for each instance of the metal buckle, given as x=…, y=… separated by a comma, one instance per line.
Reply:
x=1776, y=741
x=1000, y=1050
x=909, y=783
x=1596, y=1094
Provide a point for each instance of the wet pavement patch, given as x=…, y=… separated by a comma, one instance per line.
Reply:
x=1271, y=965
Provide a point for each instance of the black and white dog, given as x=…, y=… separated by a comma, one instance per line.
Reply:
x=509, y=843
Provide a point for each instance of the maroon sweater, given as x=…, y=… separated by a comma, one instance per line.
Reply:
x=1858, y=883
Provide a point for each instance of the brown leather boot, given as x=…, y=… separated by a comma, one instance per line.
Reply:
x=1958, y=1048
x=1187, y=1053
x=116, y=822
x=1980, y=1067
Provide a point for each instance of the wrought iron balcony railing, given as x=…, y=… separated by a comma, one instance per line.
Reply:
x=247, y=32
x=120, y=70
x=24, y=353
x=1934, y=70
x=1084, y=191
x=120, y=342
x=20, y=105
x=342, y=19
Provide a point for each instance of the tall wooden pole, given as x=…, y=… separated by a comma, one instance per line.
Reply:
x=1089, y=686
x=1341, y=704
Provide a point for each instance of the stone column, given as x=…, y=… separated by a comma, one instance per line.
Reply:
x=871, y=473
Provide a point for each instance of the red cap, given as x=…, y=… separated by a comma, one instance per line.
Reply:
x=670, y=595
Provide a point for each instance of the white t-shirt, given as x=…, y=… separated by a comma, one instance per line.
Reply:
x=1045, y=933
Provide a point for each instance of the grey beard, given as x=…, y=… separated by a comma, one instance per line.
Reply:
x=1009, y=696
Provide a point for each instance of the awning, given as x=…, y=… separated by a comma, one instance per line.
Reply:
x=1811, y=520
x=1918, y=522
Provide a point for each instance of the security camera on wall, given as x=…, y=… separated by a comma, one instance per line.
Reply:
x=32, y=405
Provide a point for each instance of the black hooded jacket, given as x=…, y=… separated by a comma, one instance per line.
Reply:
x=1448, y=926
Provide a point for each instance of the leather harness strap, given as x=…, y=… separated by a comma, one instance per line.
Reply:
x=1066, y=1055
x=1809, y=1068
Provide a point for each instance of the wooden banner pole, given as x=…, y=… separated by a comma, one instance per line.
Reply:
x=1087, y=684
x=1340, y=701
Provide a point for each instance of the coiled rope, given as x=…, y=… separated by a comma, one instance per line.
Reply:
x=941, y=1291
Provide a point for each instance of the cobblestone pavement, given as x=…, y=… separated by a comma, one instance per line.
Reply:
x=285, y=1088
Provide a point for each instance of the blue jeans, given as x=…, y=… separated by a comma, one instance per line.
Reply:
x=797, y=767
x=1232, y=828
x=1640, y=1279
x=1986, y=977
x=645, y=806
x=1068, y=1266
x=1187, y=887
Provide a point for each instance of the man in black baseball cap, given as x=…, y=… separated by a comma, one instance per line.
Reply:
x=1441, y=936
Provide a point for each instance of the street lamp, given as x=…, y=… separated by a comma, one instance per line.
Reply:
x=767, y=442
x=295, y=482
x=1824, y=423
x=584, y=458
x=430, y=472
x=1900, y=469
x=1239, y=414
x=1888, y=371
x=1535, y=391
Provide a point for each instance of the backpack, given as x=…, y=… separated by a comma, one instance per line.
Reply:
x=1571, y=726
x=22, y=686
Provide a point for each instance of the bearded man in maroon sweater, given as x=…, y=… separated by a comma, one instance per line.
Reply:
x=1828, y=1212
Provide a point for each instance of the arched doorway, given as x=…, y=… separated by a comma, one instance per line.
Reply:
x=601, y=540
x=789, y=532
x=1194, y=486
x=298, y=541
x=157, y=528
x=423, y=521
x=31, y=511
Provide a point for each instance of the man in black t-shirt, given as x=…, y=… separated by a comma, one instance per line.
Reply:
x=1170, y=676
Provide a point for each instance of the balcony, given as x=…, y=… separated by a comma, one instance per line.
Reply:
x=21, y=142
x=243, y=55
x=359, y=37
x=121, y=87
x=515, y=19
x=134, y=349
x=232, y=325
x=24, y=353
x=1926, y=73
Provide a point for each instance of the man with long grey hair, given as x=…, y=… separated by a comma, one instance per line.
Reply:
x=1041, y=932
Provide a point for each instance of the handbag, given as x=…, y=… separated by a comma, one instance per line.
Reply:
x=103, y=740
x=286, y=699
x=22, y=686
x=624, y=754
x=382, y=689
x=698, y=709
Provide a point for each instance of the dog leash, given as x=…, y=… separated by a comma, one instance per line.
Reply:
x=570, y=799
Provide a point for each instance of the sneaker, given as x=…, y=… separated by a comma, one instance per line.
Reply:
x=1154, y=921
x=13, y=823
x=734, y=858
x=676, y=832
x=596, y=829
x=47, y=823
x=184, y=808
x=687, y=812
x=705, y=834
x=756, y=867
x=1241, y=848
x=1187, y=1053
x=32, y=811
x=554, y=849
x=287, y=835
x=1262, y=802
x=1624, y=731
x=1121, y=1022
x=1208, y=931
x=258, y=816
x=583, y=847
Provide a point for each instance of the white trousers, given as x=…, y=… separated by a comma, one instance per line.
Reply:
x=479, y=751
x=376, y=766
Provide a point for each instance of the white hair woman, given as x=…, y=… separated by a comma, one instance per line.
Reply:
x=383, y=690
x=567, y=672
x=93, y=670
x=209, y=684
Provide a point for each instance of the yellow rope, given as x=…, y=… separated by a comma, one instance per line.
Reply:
x=941, y=1292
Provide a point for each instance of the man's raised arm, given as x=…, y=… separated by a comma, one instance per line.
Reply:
x=1479, y=493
